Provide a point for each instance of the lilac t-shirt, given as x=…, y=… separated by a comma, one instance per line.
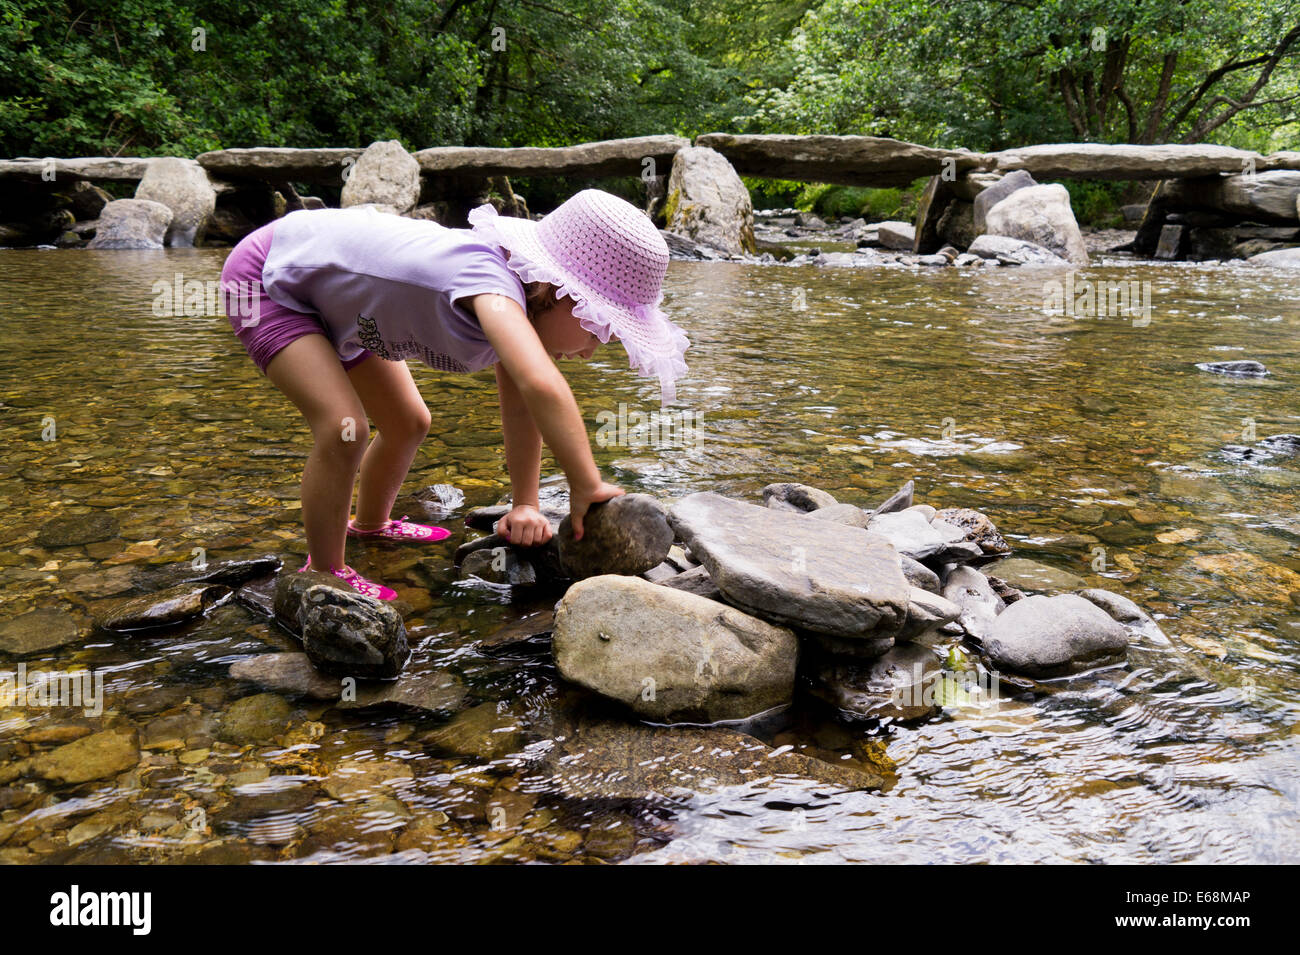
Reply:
x=389, y=285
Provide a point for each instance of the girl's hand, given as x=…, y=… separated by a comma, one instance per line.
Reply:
x=581, y=500
x=525, y=526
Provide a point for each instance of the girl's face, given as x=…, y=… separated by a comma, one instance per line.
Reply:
x=561, y=334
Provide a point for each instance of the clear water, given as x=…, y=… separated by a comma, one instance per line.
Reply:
x=1072, y=432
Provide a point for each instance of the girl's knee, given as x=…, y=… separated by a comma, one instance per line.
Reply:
x=343, y=432
x=412, y=425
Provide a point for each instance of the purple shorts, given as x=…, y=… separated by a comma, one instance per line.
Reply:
x=264, y=326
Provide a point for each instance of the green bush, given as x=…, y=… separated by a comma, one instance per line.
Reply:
x=1096, y=204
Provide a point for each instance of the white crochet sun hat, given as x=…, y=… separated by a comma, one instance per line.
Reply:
x=606, y=255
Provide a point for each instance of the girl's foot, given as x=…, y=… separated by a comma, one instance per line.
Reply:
x=362, y=586
x=402, y=530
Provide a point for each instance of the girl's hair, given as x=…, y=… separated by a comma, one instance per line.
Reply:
x=538, y=296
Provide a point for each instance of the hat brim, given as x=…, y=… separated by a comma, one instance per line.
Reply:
x=654, y=344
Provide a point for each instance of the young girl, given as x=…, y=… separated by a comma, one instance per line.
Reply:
x=330, y=303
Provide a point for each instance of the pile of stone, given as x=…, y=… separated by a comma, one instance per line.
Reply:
x=712, y=609
x=1252, y=216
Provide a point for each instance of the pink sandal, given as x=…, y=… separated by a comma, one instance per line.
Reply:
x=403, y=530
x=362, y=586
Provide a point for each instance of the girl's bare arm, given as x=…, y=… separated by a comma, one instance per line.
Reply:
x=548, y=399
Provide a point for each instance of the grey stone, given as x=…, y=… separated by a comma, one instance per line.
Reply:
x=912, y=535
x=994, y=193
x=1236, y=369
x=385, y=175
x=849, y=514
x=1009, y=251
x=627, y=534
x=919, y=575
x=796, y=497
x=1278, y=258
x=898, y=685
x=705, y=661
x=182, y=186
x=926, y=611
x=1126, y=612
x=1046, y=636
x=172, y=606
x=900, y=500
x=974, y=595
x=896, y=235
x=708, y=203
x=694, y=581
x=352, y=635
x=132, y=224
x=1042, y=215
x=814, y=575
x=289, y=589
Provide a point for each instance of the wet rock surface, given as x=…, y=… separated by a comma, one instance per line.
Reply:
x=176, y=605
x=890, y=687
x=352, y=635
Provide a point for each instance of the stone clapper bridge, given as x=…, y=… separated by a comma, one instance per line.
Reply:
x=1210, y=201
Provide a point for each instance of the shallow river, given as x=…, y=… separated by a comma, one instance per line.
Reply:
x=1092, y=442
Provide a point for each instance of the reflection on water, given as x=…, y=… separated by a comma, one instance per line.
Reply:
x=1073, y=433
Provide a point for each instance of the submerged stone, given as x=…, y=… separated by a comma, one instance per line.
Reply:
x=613, y=759
x=73, y=529
x=37, y=631
x=254, y=719
x=92, y=757
x=1236, y=369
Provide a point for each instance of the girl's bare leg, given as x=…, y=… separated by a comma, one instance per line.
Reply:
x=401, y=418
x=310, y=374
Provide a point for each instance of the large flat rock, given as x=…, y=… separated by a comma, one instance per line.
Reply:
x=873, y=161
x=92, y=169
x=609, y=157
x=274, y=164
x=1129, y=161
x=792, y=569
